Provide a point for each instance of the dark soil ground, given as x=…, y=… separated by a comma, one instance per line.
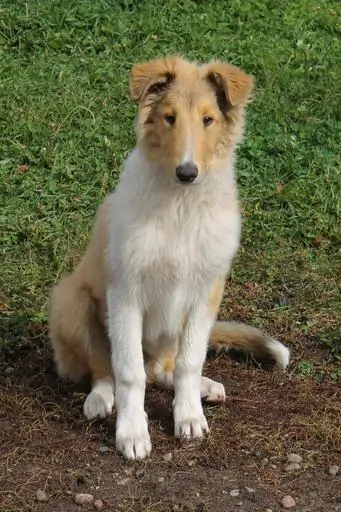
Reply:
x=47, y=444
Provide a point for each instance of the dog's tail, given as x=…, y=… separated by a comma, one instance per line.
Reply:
x=227, y=335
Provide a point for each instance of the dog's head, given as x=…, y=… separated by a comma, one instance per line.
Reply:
x=190, y=115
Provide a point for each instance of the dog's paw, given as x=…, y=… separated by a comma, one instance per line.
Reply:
x=189, y=424
x=211, y=391
x=132, y=437
x=98, y=405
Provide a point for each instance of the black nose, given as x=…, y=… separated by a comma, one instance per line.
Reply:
x=186, y=173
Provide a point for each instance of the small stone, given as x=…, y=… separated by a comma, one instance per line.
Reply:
x=239, y=503
x=333, y=470
x=161, y=479
x=250, y=489
x=41, y=495
x=294, y=457
x=124, y=481
x=9, y=370
x=191, y=462
x=103, y=449
x=234, y=493
x=268, y=510
x=84, y=499
x=288, y=502
x=129, y=471
x=99, y=504
x=168, y=457
x=293, y=466
x=265, y=461
x=273, y=466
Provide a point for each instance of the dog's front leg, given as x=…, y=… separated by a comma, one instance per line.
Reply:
x=189, y=419
x=125, y=333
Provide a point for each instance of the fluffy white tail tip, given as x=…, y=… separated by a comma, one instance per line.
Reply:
x=280, y=353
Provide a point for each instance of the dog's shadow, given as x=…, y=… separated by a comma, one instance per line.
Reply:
x=26, y=362
x=27, y=368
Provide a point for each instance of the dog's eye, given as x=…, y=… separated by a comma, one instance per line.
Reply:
x=207, y=120
x=170, y=119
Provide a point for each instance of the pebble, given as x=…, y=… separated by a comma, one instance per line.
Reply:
x=293, y=466
x=124, y=481
x=288, y=502
x=129, y=471
x=161, y=479
x=234, y=493
x=265, y=461
x=99, y=504
x=333, y=470
x=294, y=458
x=268, y=510
x=250, y=489
x=84, y=499
x=168, y=457
x=41, y=495
x=103, y=449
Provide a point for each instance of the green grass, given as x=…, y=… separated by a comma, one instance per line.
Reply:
x=66, y=125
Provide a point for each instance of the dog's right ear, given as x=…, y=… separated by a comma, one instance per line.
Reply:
x=151, y=77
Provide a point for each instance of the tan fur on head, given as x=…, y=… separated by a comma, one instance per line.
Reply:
x=189, y=112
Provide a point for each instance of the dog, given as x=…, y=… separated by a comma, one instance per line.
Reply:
x=141, y=305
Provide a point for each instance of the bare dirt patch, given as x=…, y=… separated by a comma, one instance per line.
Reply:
x=46, y=444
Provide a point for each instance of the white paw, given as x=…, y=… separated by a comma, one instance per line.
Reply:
x=132, y=437
x=189, y=424
x=212, y=391
x=98, y=405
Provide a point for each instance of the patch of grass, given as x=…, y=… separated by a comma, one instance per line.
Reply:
x=66, y=125
x=305, y=367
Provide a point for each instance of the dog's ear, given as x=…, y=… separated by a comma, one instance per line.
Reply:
x=151, y=77
x=232, y=83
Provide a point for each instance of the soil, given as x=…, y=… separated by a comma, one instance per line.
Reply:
x=47, y=444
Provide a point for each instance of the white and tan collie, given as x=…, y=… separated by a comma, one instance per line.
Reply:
x=141, y=305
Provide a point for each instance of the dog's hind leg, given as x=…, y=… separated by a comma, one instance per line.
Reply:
x=161, y=371
x=80, y=344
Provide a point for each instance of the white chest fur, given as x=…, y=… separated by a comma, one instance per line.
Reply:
x=169, y=244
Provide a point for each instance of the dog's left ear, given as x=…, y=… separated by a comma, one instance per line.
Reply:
x=236, y=85
x=151, y=77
